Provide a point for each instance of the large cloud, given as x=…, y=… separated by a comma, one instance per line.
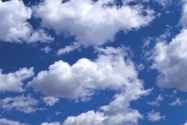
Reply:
x=92, y=22
x=171, y=62
x=111, y=70
x=118, y=112
x=14, y=26
x=80, y=80
x=13, y=81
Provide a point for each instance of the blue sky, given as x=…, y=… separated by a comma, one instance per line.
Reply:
x=93, y=62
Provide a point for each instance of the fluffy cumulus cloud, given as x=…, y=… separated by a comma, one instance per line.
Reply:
x=171, y=62
x=80, y=80
x=155, y=116
x=14, y=25
x=92, y=22
x=19, y=103
x=13, y=81
x=111, y=70
x=4, y=121
x=117, y=112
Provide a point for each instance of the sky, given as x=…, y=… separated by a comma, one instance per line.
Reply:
x=93, y=62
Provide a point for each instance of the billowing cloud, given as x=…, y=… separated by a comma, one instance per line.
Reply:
x=80, y=80
x=171, y=62
x=4, y=121
x=19, y=103
x=92, y=22
x=155, y=116
x=112, y=70
x=117, y=112
x=14, y=25
x=13, y=81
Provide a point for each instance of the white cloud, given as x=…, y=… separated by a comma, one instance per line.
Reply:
x=164, y=3
x=13, y=81
x=171, y=62
x=155, y=116
x=19, y=103
x=68, y=49
x=111, y=70
x=92, y=22
x=183, y=20
x=185, y=123
x=88, y=118
x=52, y=123
x=157, y=101
x=177, y=102
x=46, y=49
x=80, y=80
x=14, y=26
x=4, y=121
x=116, y=113
x=50, y=101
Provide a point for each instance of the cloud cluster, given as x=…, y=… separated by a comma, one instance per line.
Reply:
x=13, y=81
x=93, y=23
x=112, y=70
x=14, y=25
x=117, y=112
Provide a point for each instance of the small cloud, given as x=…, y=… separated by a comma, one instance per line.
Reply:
x=19, y=103
x=157, y=101
x=4, y=121
x=164, y=3
x=57, y=113
x=155, y=116
x=68, y=49
x=177, y=102
x=50, y=101
x=46, y=49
